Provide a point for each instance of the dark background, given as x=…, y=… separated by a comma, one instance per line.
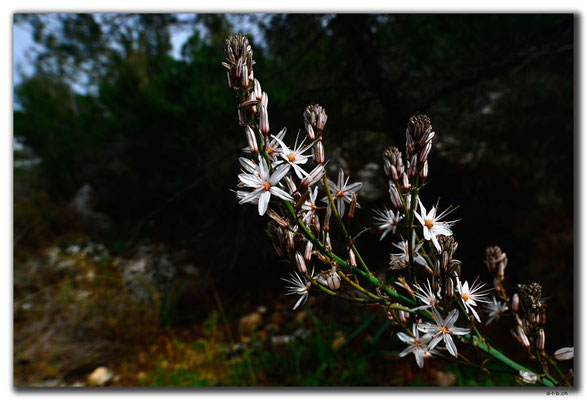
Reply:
x=157, y=140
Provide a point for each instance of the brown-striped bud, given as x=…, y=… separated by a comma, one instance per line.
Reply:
x=314, y=176
x=405, y=182
x=352, y=207
x=425, y=151
x=449, y=288
x=520, y=335
x=404, y=316
x=566, y=353
x=245, y=77
x=308, y=251
x=515, y=303
x=424, y=171
x=326, y=226
x=318, y=153
x=540, y=340
x=258, y=93
x=275, y=217
x=316, y=223
x=301, y=263
x=252, y=140
x=290, y=240
x=394, y=195
x=264, y=115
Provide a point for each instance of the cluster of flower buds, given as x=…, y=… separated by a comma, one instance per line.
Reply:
x=530, y=312
x=496, y=261
x=238, y=62
x=445, y=266
x=419, y=136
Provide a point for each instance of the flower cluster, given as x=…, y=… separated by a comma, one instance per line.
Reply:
x=284, y=183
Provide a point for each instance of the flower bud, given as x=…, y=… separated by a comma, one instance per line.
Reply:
x=245, y=77
x=437, y=269
x=425, y=151
x=405, y=182
x=566, y=353
x=515, y=303
x=540, y=341
x=308, y=251
x=449, y=288
x=290, y=240
x=394, y=195
x=310, y=131
x=326, y=226
x=257, y=91
x=333, y=279
x=424, y=171
x=301, y=263
x=252, y=140
x=316, y=223
x=353, y=206
x=313, y=177
x=229, y=80
x=290, y=184
x=520, y=335
x=404, y=316
x=528, y=377
x=264, y=118
x=275, y=217
x=318, y=153
x=413, y=165
x=352, y=258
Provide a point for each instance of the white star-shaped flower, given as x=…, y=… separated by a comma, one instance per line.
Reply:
x=495, y=309
x=264, y=184
x=402, y=259
x=417, y=345
x=299, y=286
x=387, y=221
x=426, y=296
x=471, y=295
x=442, y=329
x=294, y=157
x=432, y=225
x=342, y=192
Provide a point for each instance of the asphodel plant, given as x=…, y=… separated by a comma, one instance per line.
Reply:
x=436, y=311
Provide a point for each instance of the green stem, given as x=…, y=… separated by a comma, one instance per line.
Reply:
x=342, y=226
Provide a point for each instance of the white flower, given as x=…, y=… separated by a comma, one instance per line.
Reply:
x=426, y=296
x=566, y=353
x=387, y=221
x=309, y=207
x=402, y=259
x=264, y=186
x=341, y=192
x=528, y=377
x=299, y=286
x=417, y=345
x=443, y=329
x=294, y=157
x=495, y=309
x=432, y=225
x=470, y=296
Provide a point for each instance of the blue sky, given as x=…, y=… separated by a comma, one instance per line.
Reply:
x=23, y=44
